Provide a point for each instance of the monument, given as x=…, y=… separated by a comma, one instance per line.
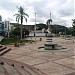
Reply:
x=49, y=45
x=49, y=21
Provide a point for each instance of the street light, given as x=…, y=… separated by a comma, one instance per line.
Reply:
x=65, y=30
x=8, y=29
x=56, y=30
x=35, y=27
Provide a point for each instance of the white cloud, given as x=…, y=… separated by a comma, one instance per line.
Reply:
x=62, y=10
x=67, y=9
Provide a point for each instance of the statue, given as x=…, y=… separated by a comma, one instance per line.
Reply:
x=49, y=21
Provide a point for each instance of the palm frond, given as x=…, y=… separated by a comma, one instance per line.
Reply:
x=17, y=18
x=17, y=15
x=25, y=19
x=25, y=14
x=17, y=7
x=21, y=14
x=73, y=21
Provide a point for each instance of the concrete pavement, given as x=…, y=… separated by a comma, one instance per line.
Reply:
x=50, y=62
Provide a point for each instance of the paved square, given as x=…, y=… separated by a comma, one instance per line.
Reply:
x=51, y=62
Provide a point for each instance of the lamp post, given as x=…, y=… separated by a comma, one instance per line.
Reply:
x=56, y=30
x=35, y=27
x=65, y=30
x=8, y=29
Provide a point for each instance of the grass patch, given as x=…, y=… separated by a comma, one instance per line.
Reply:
x=7, y=41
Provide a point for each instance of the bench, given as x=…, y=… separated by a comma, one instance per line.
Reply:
x=22, y=43
x=19, y=44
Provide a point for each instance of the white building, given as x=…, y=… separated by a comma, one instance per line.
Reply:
x=7, y=27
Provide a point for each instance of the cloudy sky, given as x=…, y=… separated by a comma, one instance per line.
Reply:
x=62, y=10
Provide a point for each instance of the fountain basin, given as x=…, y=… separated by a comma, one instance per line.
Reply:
x=51, y=46
x=48, y=46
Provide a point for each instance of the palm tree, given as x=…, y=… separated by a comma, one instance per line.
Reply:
x=20, y=16
x=73, y=21
x=73, y=24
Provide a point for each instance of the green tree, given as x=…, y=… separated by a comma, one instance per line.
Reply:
x=73, y=24
x=20, y=16
x=16, y=32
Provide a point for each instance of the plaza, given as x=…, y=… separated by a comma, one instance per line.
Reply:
x=50, y=62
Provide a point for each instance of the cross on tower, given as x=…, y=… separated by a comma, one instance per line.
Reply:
x=50, y=15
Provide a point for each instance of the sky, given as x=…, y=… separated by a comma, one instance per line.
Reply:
x=62, y=11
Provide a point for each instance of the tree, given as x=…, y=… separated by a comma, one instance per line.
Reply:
x=20, y=16
x=16, y=32
x=73, y=24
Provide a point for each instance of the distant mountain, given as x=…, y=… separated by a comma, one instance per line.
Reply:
x=55, y=28
x=41, y=26
x=15, y=24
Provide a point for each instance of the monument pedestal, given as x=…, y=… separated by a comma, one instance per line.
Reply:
x=49, y=35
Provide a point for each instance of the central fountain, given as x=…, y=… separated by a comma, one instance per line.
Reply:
x=49, y=45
